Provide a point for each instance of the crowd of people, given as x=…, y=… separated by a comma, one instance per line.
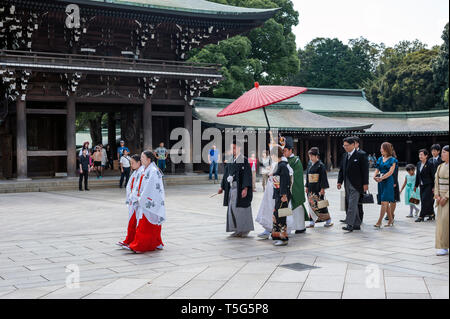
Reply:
x=286, y=192
x=292, y=200
x=99, y=158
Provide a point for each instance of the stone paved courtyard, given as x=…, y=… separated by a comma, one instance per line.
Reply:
x=43, y=233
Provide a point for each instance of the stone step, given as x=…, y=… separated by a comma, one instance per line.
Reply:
x=63, y=184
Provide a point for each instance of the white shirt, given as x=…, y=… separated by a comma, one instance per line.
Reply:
x=350, y=154
x=125, y=161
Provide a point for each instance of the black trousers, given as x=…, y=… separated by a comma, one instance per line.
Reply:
x=427, y=201
x=85, y=176
x=125, y=175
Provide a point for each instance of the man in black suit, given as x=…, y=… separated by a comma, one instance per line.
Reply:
x=354, y=174
x=425, y=180
x=436, y=160
x=238, y=194
x=357, y=145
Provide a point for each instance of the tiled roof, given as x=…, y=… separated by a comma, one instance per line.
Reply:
x=192, y=6
x=334, y=101
x=284, y=116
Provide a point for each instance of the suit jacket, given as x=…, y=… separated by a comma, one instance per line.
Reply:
x=356, y=169
x=435, y=165
x=242, y=174
x=426, y=176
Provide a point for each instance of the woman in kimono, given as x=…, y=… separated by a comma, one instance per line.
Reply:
x=151, y=212
x=265, y=213
x=131, y=198
x=282, y=196
x=316, y=184
x=441, y=191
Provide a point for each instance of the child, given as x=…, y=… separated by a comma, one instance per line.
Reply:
x=409, y=183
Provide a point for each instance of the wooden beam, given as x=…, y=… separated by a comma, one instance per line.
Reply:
x=71, y=137
x=46, y=153
x=47, y=111
x=168, y=114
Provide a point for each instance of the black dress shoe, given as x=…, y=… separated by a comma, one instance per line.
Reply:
x=343, y=221
x=300, y=231
x=431, y=217
x=348, y=228
x=418, y=220
x=87, y=189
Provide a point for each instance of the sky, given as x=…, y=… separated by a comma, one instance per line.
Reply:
x=387, y=21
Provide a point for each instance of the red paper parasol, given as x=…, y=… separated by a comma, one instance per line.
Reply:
x=260, y=97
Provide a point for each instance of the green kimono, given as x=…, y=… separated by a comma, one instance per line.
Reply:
x=298, y=186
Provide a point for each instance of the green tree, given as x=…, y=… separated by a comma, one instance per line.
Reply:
x=407, y=81
x=329, y=63
x=440, y=71
x=92, y=121
x=267, y=54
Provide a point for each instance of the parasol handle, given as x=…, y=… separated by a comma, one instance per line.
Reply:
x=267, y=119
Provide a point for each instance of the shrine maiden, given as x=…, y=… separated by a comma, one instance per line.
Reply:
x=151, y=210
x=131, y=199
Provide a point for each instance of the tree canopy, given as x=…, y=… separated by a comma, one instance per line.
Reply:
x=440, y=71
x=329, y=63
x=267, y=54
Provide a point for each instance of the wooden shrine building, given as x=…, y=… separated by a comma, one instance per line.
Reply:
x=122, y=57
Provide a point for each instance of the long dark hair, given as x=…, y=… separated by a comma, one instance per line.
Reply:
x=150, y=155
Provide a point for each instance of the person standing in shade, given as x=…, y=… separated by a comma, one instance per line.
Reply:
x=300, y=214
x=110, y=159
x=161, y=155
x=265, y=169
x=120, y=150
x=384, y=176
x=281, y=195
x=354, y=174
x=104, y=157
x=425, y=181
x=253, y=166
x=98, y=162
x=84, y=170
x=213, y=159
x=315, y=186
x=441, y=191
x=239, y=195
x=125, y=167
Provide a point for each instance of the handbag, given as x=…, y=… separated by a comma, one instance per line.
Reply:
x=366, y=198
x=323, y=204
x=414, y=201
x=284, y=212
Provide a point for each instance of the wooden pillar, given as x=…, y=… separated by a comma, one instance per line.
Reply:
x=147, y=123
x=335, y=154
x=328, y=159
x=189, y=167
x=408, y=151
x=71, y=137
x=21, y=142
x=112, y=132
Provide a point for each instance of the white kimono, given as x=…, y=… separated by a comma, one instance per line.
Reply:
x=132, y=189
x=151, y=196
x=265, y=213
